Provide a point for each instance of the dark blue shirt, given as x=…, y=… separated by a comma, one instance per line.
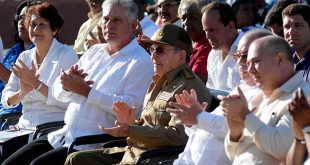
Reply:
x=303, y=65
x=8, y=61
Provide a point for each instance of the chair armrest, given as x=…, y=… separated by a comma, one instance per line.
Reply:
x=162, y=152
x=91, y=139
x=43, y=129
x=9, y=115
x=9, y=119
x=115, y=143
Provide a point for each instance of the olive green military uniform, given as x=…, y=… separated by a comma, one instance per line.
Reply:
x=156, y=128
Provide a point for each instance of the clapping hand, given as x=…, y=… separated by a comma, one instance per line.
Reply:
x=120, y=130
x=235, y=106
x=123, y=112
x=75, y=81
x=186, y=107
x=26, y=75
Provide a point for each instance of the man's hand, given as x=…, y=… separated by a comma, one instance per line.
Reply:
x=90, y=42
x=123, y=112
x=299, y=109
x=235, y=107
x=75, y=83
x=120, y=130
x=187, y=107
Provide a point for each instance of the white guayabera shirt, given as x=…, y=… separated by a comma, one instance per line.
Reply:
x=123, y=76
x=37, y=109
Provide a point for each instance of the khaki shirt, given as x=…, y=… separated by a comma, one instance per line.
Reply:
x=156, y=128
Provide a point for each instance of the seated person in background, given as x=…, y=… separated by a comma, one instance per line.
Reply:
x=89, y=29
x=296, y=27
x=246, y=14
x=170, y=50
x=148, y=26
x=190, y=14
x=208, y=130
x=119, y=70
x=36, y=70
x=300, y=111
x=260, y=131
x=273, y=19
x=22, y=42
x=220, y=26
x=167, y=11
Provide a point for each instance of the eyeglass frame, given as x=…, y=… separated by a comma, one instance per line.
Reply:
x=238, y=55
x=160, y=50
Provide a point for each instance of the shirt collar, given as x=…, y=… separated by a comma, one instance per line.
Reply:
x=288, y=87
x=300, y=64
x=174, y=73
x=170, y=76
x=126, y=50
x=129, y=48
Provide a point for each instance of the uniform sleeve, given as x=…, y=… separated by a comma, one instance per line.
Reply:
x=171, y=134
x=156, y=137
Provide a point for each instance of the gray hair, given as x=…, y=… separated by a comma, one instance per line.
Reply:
x=131, y=8
x=198, y=4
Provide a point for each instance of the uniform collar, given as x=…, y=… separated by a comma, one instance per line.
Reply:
x=170, y=76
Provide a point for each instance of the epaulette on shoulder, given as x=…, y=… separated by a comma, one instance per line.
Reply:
x=188, y=74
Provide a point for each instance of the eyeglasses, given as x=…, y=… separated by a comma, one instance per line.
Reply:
x=159, y=50
x=239, y=55
x=166, y=5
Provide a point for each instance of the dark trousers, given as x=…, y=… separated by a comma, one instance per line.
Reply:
x=36, y=153
x=9, y=147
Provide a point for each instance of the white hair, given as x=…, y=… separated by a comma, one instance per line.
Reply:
x=131, y=8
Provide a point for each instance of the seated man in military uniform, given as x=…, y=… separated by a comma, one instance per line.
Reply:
x=170, y=49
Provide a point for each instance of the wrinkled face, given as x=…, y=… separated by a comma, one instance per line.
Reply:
x=241, y=58
x=40, y=30
x=191, y=22
x=167, y=10
x=296, y=32
x=22, y=31
x=215, y=30
x=117, y=30
x=262, y=66
x=165, y=58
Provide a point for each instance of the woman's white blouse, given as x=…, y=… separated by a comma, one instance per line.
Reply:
x=37, y=109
